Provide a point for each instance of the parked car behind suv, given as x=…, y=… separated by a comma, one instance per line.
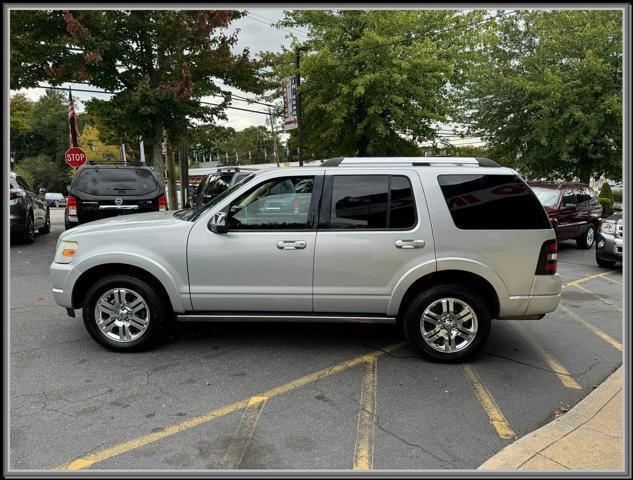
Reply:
x=55, y=199
x=573, y=209
x=439, y=246
x=216, y=183
x=610, y=240
x=28, y=210
x=102, y=191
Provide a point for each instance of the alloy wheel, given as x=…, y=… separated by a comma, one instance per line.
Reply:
x=122, y=314
x=448, y=325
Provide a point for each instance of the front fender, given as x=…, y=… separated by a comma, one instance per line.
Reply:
x=150, y=265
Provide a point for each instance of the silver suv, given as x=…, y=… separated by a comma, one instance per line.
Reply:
x=439, y=246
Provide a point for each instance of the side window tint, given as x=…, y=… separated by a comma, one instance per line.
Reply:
x=492, y=202
x=277, y=204
x=402, y=205
x=374, y=202
x=359, y=201
x=581, y=197
x=569, y=198
x=591, y=196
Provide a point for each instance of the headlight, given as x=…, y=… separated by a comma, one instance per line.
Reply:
x=608, y=228
x=66, y=251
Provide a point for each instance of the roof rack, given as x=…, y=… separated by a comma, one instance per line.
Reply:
x=235, y=168
x=409, y=161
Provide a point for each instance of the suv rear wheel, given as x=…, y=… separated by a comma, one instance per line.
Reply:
x=586, y=240
x=125, y=314
x=447, y=323
x=47, y=225
x=28, y=234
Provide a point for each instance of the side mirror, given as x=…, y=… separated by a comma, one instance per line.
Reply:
x=42, y=191
x=218, y=223
x=569, y=207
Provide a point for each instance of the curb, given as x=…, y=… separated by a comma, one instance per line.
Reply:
x=529, y=447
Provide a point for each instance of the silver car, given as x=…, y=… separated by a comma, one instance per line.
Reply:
x=439, y=246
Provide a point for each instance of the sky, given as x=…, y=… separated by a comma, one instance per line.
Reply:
x=255, y=33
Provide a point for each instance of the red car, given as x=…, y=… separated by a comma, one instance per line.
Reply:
x=573, y=209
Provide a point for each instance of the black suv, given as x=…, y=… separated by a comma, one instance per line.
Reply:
x=101, y=191
x=29, y=211
x=216, y=183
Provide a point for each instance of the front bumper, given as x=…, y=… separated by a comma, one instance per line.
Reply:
x=609, y=247
x=62, y=281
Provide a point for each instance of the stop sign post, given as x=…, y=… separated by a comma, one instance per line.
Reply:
x=75, y=157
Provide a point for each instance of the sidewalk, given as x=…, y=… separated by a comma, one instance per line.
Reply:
x=588, y=437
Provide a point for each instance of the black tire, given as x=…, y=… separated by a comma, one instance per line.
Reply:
x=605, y=263
x=47, y=226
x=412, y=321
x=587, y=239
x=28, y=234
x=159, y=310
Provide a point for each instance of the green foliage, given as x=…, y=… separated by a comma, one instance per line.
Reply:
x=547, y=92
x=605, y=191
x=607, y=206
x=375, y=82
x=43, y=171
x=617, y=196
x=162, y=62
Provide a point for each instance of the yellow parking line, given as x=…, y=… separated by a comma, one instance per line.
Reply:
x=598, y=297
x=101, y=455
x=490, y=406
x=241, y=439
x=604, y=276
x=583, y=280
x=364, y=449
x=561, y=372
x=603, y=335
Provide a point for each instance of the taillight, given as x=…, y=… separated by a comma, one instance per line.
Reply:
x=71, y=203
x=15, y=194
x=547, y=259
x=162, y=203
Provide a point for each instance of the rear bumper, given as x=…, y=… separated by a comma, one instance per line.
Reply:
x=544, y=298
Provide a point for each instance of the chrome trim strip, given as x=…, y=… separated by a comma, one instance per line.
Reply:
x=230, y=317
x=57, y=290
x=118, y=207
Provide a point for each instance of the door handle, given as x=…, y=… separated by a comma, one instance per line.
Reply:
x=410, y=243
x=291, y=244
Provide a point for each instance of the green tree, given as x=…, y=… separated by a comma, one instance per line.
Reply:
x=161, y=63
x=39, y=173
x=547, y=92
x=20, y=124
x=376, y=82
x=49, y=122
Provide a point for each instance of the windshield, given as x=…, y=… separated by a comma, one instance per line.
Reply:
x=193, y=214
x=547, y=196
x=115, y=181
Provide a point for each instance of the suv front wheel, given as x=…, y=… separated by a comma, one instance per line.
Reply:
x=447, y=323
x=125, y=314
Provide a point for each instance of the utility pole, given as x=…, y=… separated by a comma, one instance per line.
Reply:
x=298, y=83
x=272, y=129
x=184, y=174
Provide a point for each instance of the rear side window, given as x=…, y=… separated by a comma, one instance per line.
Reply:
x=116, y=181
x=568, y=198
x=492, y=202
x=375, y=202
x=581, y=197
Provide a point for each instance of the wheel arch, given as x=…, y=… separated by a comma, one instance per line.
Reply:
x=462, y=277
x=87, y=278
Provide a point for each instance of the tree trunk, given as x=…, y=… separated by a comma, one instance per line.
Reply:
x=171, y=178
x=157, y=150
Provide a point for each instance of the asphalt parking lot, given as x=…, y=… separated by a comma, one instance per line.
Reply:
x=302, y=396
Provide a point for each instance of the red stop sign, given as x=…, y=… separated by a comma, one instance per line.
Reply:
x=75, y=157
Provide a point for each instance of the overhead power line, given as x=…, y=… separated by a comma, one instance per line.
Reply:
x=105, y=92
